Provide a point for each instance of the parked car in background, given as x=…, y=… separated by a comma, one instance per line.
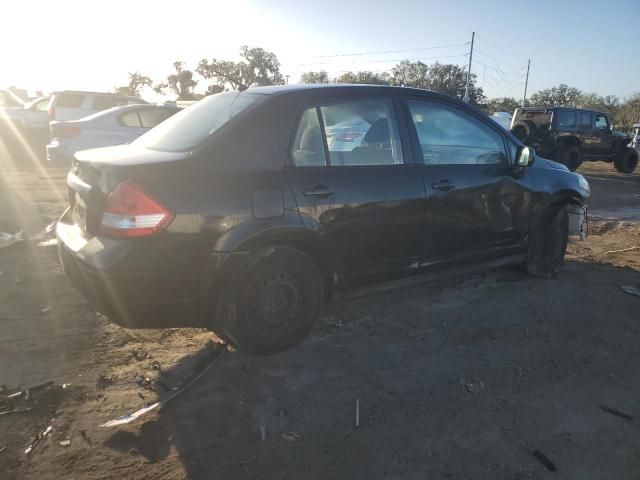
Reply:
x=10, y=99
x=635, y=141
x=503, y=119
x=71, y=105
x=25, y=129
x=235, y=214
x=572, y=135
x=114, y=126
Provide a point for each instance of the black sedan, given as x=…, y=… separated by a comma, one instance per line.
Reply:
x=239, y=213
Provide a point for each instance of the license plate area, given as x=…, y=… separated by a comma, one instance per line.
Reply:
x=79, y=212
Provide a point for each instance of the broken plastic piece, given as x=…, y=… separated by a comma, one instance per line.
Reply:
x=631, y=290
x=544, y=460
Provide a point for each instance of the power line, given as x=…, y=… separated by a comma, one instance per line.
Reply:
x=484, y=54
x=380, y=52
x=383, y=61
x=512, y=55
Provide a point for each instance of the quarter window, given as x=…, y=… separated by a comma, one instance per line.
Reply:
x=566, y=119
x=150, y=117
x=69, y=100
x=308, y=147
x=585, y=119
x=602, y=122
x=130, y=119
x=449, y=136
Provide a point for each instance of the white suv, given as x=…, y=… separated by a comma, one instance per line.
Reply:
x=72, y=105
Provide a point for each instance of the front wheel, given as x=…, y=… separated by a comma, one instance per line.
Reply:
x=569, y=156
x=548, y=243
x=273, y=302
x=626, y=161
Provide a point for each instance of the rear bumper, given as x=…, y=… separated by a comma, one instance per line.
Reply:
x=138, y=285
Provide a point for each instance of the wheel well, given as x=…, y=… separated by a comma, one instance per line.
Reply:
x=312, y=248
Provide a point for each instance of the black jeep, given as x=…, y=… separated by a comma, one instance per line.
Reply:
x=572, y=135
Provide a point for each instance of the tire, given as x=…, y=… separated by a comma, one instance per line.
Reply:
x=273, y=302
x=548, y=243
x=524, y=130
x=569, y=156
x=626, y=161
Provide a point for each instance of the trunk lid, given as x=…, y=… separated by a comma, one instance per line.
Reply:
x=96, y=172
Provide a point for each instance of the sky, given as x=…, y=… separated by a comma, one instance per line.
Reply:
x=92, y=44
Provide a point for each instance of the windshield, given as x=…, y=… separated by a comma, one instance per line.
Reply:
x=191, y=126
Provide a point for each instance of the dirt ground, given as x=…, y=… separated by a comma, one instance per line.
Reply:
x=458, y=378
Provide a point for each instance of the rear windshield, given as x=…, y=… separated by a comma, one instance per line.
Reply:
x=188, y=128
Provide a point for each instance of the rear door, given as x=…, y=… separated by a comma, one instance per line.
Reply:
x=585, y=132
x=359, y=188
x=476, y=200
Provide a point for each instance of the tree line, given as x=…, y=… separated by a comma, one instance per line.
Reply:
x=259, y=67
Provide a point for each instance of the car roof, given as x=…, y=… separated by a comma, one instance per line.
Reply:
x=337, y=87
x=544, y=109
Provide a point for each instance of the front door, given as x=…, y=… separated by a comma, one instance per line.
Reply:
x=476, y=199
x=356, y=187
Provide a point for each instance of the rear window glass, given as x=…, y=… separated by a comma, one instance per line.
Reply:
x=150, y=117
x=566, y=119
x=539, y=117
x=69, y=100
x=130, y=119
x=101, y=102
x=191, y=126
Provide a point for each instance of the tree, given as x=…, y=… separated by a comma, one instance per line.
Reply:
x=628, y=112
x=258, y=67
x=315, y=77
x=451, y=80
x=365, y=77
x=181, y=83
x=506, y=104
x=411, y=74
x=562, y=95
x=136, y=82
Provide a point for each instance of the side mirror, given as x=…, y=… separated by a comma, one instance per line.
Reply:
x=525, y=156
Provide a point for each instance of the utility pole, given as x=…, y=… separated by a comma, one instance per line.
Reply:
x=466, y=90
x=287, y=77
x=526, y=84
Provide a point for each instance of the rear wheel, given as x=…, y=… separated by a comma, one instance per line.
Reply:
x=273, y=302
x=569, y=156
x=626, y=161
x=548, y=243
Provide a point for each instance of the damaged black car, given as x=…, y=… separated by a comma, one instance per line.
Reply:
x=248, y=211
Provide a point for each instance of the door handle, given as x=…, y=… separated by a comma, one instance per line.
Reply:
x=321, y=191
x=443, y=186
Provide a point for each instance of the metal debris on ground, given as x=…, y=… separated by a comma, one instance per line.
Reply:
x=52, y=242
x=474, y=386
x=291, y=436
x=130, y=417
x=2, y=449
x=544, y=460
x=45, y=310
x=631, y=290
x=7, y=239
x=622, y=250
x=37, y=439
x=616, y=412
x=65, y=443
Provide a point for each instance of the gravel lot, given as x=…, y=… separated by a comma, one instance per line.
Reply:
x=463, y=377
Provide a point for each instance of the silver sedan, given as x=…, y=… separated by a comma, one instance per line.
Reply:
x=115, y=126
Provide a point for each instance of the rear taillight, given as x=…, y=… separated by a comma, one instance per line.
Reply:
x=65, y=131
x=132, y=212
